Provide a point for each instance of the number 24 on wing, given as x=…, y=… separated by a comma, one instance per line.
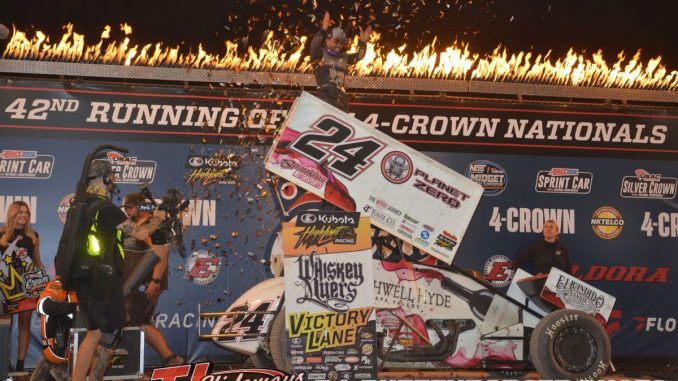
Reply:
x=335, y=144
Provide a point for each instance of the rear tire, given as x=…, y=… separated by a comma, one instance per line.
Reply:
x=570, y=344
x=278, y=342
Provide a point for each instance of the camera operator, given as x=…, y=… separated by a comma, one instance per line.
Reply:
x=96, y=272
x=141, y=301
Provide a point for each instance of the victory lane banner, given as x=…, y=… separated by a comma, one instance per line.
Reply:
x=329, y=296
x=357, y=168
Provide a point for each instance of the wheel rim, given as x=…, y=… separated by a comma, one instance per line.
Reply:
x=575, y=349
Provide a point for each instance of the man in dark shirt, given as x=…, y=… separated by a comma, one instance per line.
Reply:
x=96, y=273
x=547, y=253
x=328, y=51
x=141, y=301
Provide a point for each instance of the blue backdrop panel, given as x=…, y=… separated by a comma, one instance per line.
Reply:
x=234, y=220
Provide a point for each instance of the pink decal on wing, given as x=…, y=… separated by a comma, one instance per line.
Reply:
x=335, y=191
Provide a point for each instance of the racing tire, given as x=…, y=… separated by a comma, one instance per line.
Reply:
x=278, y=343
x=571, y=345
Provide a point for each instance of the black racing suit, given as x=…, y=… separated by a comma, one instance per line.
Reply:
x=331, y=68
x=543, y=256
x=97, y=279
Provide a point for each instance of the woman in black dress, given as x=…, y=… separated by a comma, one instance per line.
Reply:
x=18, y=241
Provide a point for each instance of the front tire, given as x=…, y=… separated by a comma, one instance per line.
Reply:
x=570, y=344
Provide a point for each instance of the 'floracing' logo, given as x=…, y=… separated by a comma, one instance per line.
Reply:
x=397, y=167
x=130, y=169
x=488, y=174
x=648, y=185
x=202, y=371
x=202, y=267
x=652, y=324
x=19, y=164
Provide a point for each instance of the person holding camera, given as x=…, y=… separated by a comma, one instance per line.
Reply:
x=141, y=301
x=96, y=272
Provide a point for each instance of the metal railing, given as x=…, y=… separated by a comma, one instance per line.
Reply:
x=353, y=83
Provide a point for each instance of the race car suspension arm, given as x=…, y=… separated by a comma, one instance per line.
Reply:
x=438, y=352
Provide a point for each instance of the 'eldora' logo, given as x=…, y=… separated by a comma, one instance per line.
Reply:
x=64, y=204
x=397, y=167
x=202, y=267
x=488, y=174
x=607, y=222
x=648, y=185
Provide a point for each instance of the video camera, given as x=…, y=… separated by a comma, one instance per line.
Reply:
x=173, y=205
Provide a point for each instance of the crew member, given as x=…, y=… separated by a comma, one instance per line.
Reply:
x=20, y=250
x=546, y=253
x=141, y=301
x=328, y=50
x=96, y=273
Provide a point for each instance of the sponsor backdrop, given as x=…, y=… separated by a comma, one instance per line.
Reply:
x=607, y=175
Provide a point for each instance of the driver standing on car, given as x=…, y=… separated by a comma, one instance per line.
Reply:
x=546, y=253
